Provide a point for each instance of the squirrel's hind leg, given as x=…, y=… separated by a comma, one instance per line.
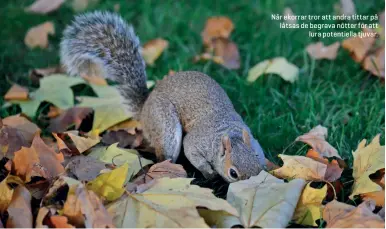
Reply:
x=162, y=127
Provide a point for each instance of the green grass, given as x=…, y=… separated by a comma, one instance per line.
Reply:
x=337, y=94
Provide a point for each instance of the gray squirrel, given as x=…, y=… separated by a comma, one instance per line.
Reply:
x=188, y=109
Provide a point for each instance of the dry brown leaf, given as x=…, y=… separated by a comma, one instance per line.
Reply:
x=59, y=221
x=78, y=143
x=72, y=116
x=340, y=215
x=123, y=138
x=381, y=213
x=377, y=196
x=376, y=63
x=17, y=92
x=161, y=169
x=153, y=49
x=128, y=125
x=333, y=171
x=5, y=195
x=83, y=207
x=227, y=51
x=38, y=36
x=216, y=27
x=40, y=159
x=270, y=165
x=11, y=140
x=84, y=168
x=38, y=73
x=54, y=112
x=319, y=51
x=23, y=125
x=359, y=46
x=44, y=6
x=316, y=138
x=19, y=210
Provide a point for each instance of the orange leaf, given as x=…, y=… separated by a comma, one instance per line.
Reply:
x=38, y=36
x=378, y=197
x=17, y=92
x=376, y=63
x=59, y=221
x=97, y=80
x=216, y=27
x=359, y=46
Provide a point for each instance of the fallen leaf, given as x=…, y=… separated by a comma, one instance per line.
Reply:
x=17, y=92
x=340, y=215
x=216, y=27
x=376, y=63
x=377, y=196
x=309, y=207
x=38, y=73
x=109, y=102
x=42, y=214
x=316, y=138
x=110, y=185
x=55, y=89
x=72, y=116
x=161, y=169
x=82, y=5
x=367, y=160
x=123, y=138
x=40, y=159
x=24, y=126
x=79, y=143
x=270, y=165
x=168, y=203
x=319, y=51
x=262, y=201
x=59, y=221
x=128, y=125
x=381, y=213
x=19, y=210
x=5, y=195
x=153, y=49
x=38, y=36
x=333, y=171
x=54, y=112
x=278, y=65
x=288, y=12
x=119, y=156
x=224, y=52
x=359, y=46
x=84, y=168
x=58, y=191
x=97, y=80
x=84, y=209
x=44, y=6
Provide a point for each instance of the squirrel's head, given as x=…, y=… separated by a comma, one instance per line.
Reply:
x=238, y=159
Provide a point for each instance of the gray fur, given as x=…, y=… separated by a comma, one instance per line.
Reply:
x=187, y=102
x=103, y=43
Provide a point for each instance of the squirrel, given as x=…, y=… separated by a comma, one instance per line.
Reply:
x=188, y=109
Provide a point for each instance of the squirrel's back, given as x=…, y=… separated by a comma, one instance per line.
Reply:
x=196, y=97
x=102, y=43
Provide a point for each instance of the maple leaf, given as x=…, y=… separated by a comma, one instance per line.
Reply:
x=40, y=159
x=167, y=203
x=309, y=207
x=262, y=200
x=72, y=116
x=84, y=208
x=151, y=50
x=278, y=65
x=367, y=160
x=340, y=215
x=319, y=51
x=38, y=36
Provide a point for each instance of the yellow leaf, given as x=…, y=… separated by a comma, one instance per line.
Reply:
x=82, y=143
x=5, y=195
x=168, y=203
x=153, y=49
x=278, y=65
x=367, y=160
x=262, y=200
x=300, y=167
x=110, y=185
x=309, y=208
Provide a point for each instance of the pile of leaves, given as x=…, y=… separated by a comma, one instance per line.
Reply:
x=71, y=178
x=80, y=161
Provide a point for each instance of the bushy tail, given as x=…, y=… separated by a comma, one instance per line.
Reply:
x=102, y=43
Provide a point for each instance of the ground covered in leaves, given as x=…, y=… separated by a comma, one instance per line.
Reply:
x=68, y=160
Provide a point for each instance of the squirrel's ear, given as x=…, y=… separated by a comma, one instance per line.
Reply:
x=246, y=138
x=226, y=143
